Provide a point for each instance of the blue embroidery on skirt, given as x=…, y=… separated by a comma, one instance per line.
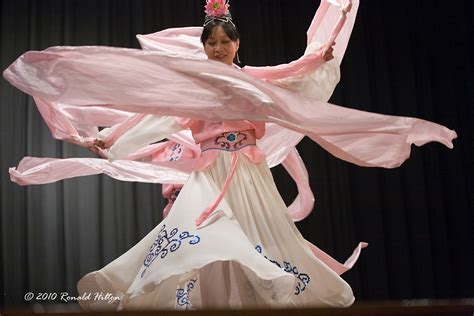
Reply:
x=182, y=295
x=165, y=243
x=176, y=152
x=303, y=278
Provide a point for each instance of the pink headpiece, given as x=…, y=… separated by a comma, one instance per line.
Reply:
x=217, y=10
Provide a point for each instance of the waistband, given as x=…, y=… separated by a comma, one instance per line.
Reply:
x=230, y=141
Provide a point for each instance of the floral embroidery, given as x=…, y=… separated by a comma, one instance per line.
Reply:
x=231, y=141
x=303, y=278
x=166, y=243
x=176, y=152
x=182, y=295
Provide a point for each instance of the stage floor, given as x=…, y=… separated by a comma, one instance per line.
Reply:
x=406, y=307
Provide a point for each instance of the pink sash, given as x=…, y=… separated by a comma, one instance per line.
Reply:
x=228, y=141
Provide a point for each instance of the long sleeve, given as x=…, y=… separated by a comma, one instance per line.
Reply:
x=149, y=130
x=319, y=40
x=318, y=84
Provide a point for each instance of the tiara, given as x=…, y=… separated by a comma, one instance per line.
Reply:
x=217, y=10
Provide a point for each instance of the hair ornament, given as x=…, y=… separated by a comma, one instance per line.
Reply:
x=217, y=10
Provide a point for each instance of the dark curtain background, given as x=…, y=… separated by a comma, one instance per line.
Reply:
x=411, y=58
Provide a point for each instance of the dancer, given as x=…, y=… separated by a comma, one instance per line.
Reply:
x=228, y=240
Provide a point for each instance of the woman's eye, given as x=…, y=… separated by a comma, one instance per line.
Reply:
x=211, y=43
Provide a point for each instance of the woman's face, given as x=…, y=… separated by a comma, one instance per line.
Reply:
x=220, y=47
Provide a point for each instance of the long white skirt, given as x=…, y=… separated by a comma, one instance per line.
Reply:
x=247, y=254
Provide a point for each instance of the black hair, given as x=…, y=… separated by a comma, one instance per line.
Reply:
x=228, y=27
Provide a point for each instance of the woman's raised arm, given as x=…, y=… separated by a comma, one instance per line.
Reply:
x=321, y=38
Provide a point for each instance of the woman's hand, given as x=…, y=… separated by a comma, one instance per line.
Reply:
x=346, y=8
x=96, y=147
x=99, y=144
x=328, y=53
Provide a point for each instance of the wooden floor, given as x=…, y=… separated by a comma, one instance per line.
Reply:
x=412, y=307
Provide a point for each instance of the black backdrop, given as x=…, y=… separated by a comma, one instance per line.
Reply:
x=412, y=58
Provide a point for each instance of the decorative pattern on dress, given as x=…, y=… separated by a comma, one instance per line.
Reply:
x=303, y=278
x=231, y=140
x=182, y=295
x=176, y=152
x=166, y=243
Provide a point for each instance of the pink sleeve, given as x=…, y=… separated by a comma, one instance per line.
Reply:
x=335, y=265
x=363, y=138
x=328, y=24
x=318, y=31
x=301, y=66
x=76, y=126
x=33, y=170
x=182, y=41
x=61, y=127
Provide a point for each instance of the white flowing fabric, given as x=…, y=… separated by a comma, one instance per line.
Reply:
x=267, y=265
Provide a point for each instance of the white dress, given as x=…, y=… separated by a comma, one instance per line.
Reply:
x=248, y=253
